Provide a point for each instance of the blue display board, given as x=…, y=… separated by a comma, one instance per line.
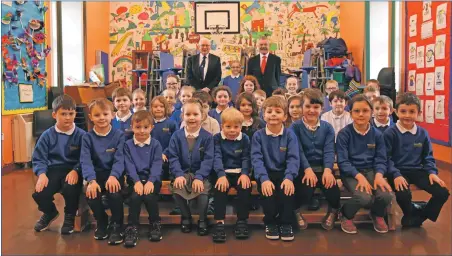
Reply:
x=24, y=50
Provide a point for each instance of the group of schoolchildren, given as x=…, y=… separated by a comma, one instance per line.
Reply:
x=288, y=143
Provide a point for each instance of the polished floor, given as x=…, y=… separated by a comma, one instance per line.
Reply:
x=19, y=214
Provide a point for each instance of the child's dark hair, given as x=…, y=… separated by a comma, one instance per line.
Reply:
x=162, y=100
x=384, y=100
x=142, y=115
x=338, y=94
x=275, y=101
x=203, y=96
x=250, y=78
x=280, y=91
x=221, y=88
x=315, y=96
x=250, y=98
x=102, y=103
x=294, y=97
x=64, y=101
x=408, y=99
x=120, y=92
x=360, y=98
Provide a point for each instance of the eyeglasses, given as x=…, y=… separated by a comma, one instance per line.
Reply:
x=331, y=88
x=171, y=83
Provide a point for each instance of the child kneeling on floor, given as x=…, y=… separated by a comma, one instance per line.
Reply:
x=190, y=156
x=56, y=162
x=276, y=161
x=361, y=156
x=102, y=160
x=411, y=161
x=143, y=164
x=232, y=165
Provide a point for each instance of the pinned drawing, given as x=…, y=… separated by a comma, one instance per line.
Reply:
x=420, y=57
x=419, y=84
x=439, y=110
x=412, y=51
x=426, y=10
x=412, y=80
x=413, y=25
x=430, y=111
x=427, y=29
x=429, y=84
x=441, y=16
x=439, y=78
x=430, y=56
x=440, y=47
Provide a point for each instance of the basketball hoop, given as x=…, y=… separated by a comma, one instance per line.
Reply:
x=217, y=29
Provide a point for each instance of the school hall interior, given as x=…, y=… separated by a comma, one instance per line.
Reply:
x=89, y=49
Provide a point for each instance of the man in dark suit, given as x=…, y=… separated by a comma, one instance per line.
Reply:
x=204, y=69
x=266, y=67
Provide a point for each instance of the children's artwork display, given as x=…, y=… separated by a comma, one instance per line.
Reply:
x=428, y=65
x=24, y=52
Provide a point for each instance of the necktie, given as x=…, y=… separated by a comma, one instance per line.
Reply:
x=263, y=64
x=201, y=67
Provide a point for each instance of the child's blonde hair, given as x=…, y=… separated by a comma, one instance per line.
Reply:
x=292, y=77
x=162, y=100
x=102, y=103
x=276, y=102
x=383, y=100
x=260, y=93
x=187, y=88
x=370, y=83
x=232, y=115
x=195, y=102
x=138, y=91
x=370, y=89
x=332, y=82
x=234, y=62
x=168, y=90
x=120, y=92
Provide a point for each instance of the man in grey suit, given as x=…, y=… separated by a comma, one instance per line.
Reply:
x=266, y=67
x=204, y=69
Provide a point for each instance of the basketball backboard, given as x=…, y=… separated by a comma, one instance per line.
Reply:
x=220, y=15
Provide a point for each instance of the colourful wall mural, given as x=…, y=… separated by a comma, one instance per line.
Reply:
x=161, y=25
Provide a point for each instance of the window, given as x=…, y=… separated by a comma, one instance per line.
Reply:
x=378, y=44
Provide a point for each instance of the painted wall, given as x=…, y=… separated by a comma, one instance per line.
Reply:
x=290, y=26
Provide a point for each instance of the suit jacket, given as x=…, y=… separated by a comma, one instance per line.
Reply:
x=268, y=81
x=213, y=74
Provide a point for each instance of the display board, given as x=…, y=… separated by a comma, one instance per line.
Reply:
x=428, y=37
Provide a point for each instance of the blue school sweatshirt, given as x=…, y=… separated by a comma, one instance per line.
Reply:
x=143, y=163
x=57, y=149
x=256, y=126
x=102, y=154
x=316, y=148
x=176, y=117
x=231, y=154
x=355, y=151
x=275, y=154
x=382, y=129
x=214, y=114
x=233, y=84
x=409, y=152
x=199, y=161
x=120, y=125
x=163, y=131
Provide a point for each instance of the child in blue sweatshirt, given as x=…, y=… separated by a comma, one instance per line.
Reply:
x=276, y=161
x=222, y=97
x=56, y=162
x=316, y=143
x=233, y=81
x=383, y=108
x=143, y=164
x=411, y=161
x=102, y=161
x=190, y=156
x=361, y=156
x=185, y=93
x=163, y=129
x=122, y=100
x=232, y=165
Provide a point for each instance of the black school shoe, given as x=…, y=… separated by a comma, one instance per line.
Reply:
x=131, y=236
x=68, y=224
x=219, y=235
x=116, y=235
x=101, y=232
x=272, y=232
x=202, y=228
x=314, y=204
x=155, y=232
x=286, y=232
x=44, y=222
x=185, y=225
x=241, y=229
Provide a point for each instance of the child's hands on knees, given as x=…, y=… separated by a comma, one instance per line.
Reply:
x=288, y=187
x=363, y=184
x=197, y=186
x=245, y=181
x=91, y=190
x=42, y=182
x=72, y=177
x=180, y=182
x=267, y=188
x=222, y=184
x=309, y=177
x=164, y=158
x=400, y=183
x=381, y=182
x=328, y=179
x=138, y=187
x=434, y=178
x=148, y=188
x=112, y=185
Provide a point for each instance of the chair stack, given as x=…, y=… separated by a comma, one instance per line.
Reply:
x=81, y=120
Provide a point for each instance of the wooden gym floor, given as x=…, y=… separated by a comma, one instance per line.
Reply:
x=19, y=214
